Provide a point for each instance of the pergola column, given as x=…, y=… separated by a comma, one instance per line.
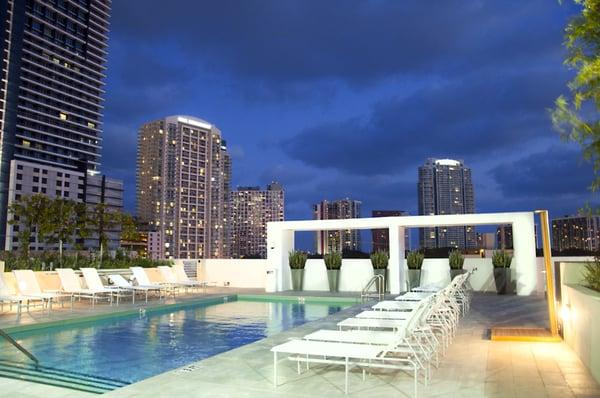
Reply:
x=396, y=265
x=524, y=256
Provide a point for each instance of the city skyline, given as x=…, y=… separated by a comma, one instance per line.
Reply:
x=399, y=113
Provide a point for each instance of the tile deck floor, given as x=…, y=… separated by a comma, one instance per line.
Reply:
x=474, y=366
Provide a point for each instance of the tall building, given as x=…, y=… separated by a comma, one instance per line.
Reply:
x=251, y=210
x=28, y=178
x=183, y=186
x=51, y=86
x=381, y=239
x=445, y=187
x=576, y=232
x=486, y=241
x=504, y=239
x=337, y=240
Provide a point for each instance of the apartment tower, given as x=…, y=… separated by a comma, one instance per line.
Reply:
x=251, y=210
x=337, y=240
x=51, y=88
x=445, y=187
x=183, y=187
x=576, y=232
x=381, y=238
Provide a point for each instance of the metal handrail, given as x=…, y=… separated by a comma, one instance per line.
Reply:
x=20, y=347
x=379, y=280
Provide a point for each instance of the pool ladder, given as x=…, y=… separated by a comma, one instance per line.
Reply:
x=379, y=282
x=19, y=347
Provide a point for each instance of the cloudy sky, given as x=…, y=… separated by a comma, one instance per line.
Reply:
x=347, y=98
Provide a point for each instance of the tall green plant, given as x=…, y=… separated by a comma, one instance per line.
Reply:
x=575, y=115
x=591, y=274
x=64, y=222
x=379, y=259
x=102, y=219
x=501, y=259
x=333, y=260
x=297, y=259
x=414, y=259
x=456, y=259
x=32, y=215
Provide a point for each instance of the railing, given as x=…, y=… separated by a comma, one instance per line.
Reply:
x=19, y=347
x=379, y=282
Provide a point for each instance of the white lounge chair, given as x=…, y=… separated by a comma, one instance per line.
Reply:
x=413, y=296
x=142, y=279
x=122, y=283
x=70, y=284
x=10, y=297
x=94, y=282
x=170, y=278
x=181, y=276
x=28, y=286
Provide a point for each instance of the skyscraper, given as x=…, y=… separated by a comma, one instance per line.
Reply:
x=183, y=186
x=576, y=232
x=337, y=240
x=51, y=87
x=445, y=187
x=381, y=239
x=251, y=210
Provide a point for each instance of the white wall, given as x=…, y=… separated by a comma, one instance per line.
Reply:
x=581, y=327
x=237, y=272
x=355, y=274
x=315, y=276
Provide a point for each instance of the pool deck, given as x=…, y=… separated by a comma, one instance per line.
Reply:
x=473, y=367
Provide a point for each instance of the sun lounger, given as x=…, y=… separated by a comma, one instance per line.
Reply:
x=10, y=297
x=29, y=286
x=169, y=277
x=94, y=282
x=70, y=284
x=122, y=283
x=181, y=276
x=142, y=280
x=413, y=296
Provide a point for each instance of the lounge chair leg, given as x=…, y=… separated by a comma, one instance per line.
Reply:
x=275, y=369
x=346, y=378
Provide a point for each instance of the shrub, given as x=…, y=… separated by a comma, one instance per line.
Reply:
x=379, y=259
x=456, y=259
x=591, y=274
x=414, y=260
x=333, y=260
x=501, y=259
x=297, y=259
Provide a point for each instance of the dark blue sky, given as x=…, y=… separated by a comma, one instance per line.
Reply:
x=348, y=98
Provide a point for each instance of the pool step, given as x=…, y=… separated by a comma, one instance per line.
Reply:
x=59, y=378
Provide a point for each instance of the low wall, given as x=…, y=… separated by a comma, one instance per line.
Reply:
x=244, y=273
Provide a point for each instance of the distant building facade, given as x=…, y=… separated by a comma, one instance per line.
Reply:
x=27, y=178
x=51, y=90
x=504, y=237
x=576, y=232
x=381, y=238
x=486, y=241
x=183, y=186
x=251, y=210
x=337, y=240
x=445, y=187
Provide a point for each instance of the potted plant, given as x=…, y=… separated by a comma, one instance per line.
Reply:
x=591, y=274
x=456, y=261
x=501, y=261
x=333, y=262
x=297, y=260
x=379, y=260
x=414, y=260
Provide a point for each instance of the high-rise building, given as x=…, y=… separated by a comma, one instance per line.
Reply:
x=51, y=85
x=445, y=187
x=576, y=232
x=251, y=210
x=381, y=239
x=504, y=238
x=337, y=240
x=486, y=241
x=183, y=186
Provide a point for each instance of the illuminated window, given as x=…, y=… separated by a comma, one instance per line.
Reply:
x=63, y=116
x=91, y=125
x=26, y=143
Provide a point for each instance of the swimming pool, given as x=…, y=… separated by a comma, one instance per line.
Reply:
x=131, y=348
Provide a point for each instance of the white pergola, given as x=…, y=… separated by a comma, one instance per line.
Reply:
x=280, y=241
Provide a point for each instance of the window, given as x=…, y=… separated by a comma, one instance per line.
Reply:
x=58, y=193
x=59, y=183
x=59, y=174
x=34, y=189
x=36, y=179
x=67, y=184
x=18, y=187
x=44, y=171
x=19, y=176
x=62, y=116
x=43, y=190
x=44, y=180
x=66, y=194
x=26, y=143
x=19, y=167
x=91, y=125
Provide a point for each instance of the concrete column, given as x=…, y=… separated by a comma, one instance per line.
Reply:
x=396, y=266
x=523, y=229
x=279, y=243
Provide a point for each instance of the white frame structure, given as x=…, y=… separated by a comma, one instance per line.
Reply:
x=280, y=241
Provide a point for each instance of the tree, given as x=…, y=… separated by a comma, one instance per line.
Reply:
x=32, y=215
x=575, y=115
x=102, y=219
x=129, y=230
x=64, y=220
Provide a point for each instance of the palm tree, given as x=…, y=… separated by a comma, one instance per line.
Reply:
x=32, y=214
x=64, y=220
x=102, y=219
x=129, y=231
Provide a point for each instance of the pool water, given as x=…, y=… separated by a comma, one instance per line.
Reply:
x=137, y=347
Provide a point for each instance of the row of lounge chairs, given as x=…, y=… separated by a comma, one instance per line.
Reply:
x=29, y=293
x=408, y=333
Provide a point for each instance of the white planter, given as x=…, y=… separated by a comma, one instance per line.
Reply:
x=315, y=276
x=435, y=271
x=355, y=274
